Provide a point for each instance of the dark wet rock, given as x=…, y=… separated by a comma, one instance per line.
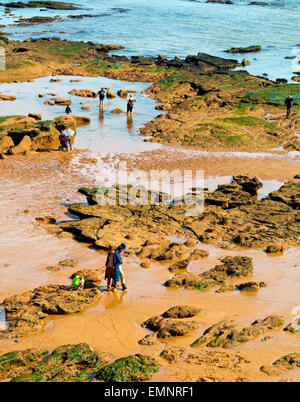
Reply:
x=172, y=355
x=27, y=311
x=220, y=1
x=135, y=368
x=229, y=196
x=225, y=289
x=248, y=49
x=288, y=194
x=181, y=312
x=250, y=185
x=51, y=5
x=251, y=286
x=179, y=266
x=69, y=363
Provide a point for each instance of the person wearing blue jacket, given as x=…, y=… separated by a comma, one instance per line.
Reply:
x=118, y=261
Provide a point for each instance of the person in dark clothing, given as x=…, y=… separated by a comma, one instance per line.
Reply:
x=68, y=110
x=101, y=95
x=288, y=103
x=130, y=103
x=110, y=269
x=118, y=261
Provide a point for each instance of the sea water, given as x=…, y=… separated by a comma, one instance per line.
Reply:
x=181, y=27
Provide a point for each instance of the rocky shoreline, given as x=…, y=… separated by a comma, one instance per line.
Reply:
x=233, y=106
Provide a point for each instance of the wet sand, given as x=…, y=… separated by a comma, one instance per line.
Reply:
x=46, y=183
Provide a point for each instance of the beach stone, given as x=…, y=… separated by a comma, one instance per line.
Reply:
x=146, y=264
x=122, y=93
x=181, y=312
x=7, y=98
x=84, y=93
x=148, y=340
x=251, y=286
x=62, y=101
x=110, y=94
x=35, y=116
x=172, y=354
x=117, y=110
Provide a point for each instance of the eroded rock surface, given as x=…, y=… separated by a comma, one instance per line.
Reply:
x=25, y=313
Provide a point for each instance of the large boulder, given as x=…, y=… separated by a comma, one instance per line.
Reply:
x=26, y=145
x=5, y=144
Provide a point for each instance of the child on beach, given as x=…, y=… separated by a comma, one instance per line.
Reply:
x=78, y=282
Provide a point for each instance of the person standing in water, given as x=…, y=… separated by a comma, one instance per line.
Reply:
x=130, y=102
x=288, y=103
x=118, y=261
x=101, y=95
x=68, y=110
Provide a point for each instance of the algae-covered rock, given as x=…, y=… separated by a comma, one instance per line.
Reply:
x=14, y=363
x=135, y=368
x=224, y=334
x=69, y=363
x=230, y=267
